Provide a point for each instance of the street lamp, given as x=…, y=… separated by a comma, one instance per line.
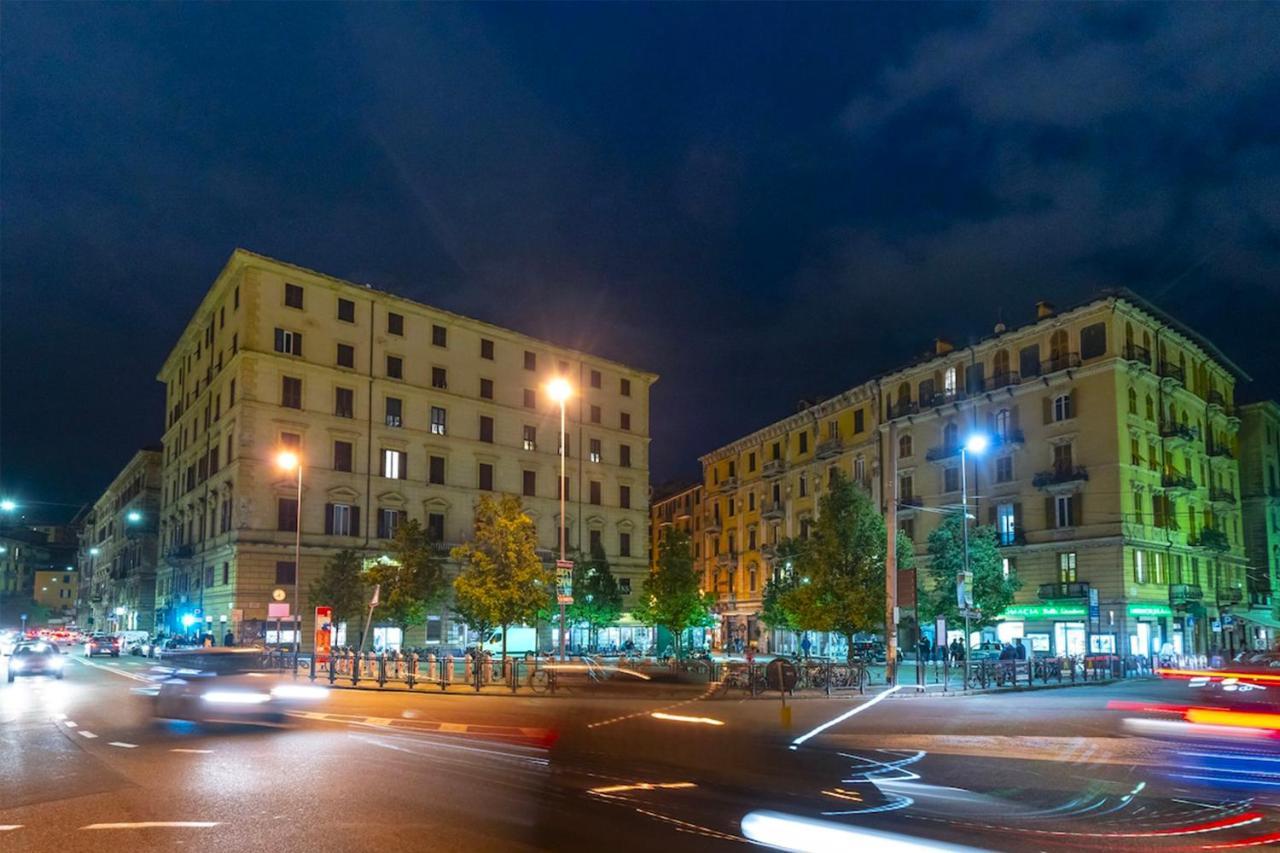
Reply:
x=288, y=460
x=8, y=505
x=976, y=444
x=559, y=390
x=133, y=516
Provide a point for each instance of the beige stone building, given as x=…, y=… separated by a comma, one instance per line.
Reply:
x=681, y=509
x=119, y=548
x=1260, y=499
x=1112, y=478
x=398, y=410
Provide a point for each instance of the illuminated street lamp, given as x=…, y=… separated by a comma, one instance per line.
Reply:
x=288, y=460
x=976, y=444
x=558, y=389
x=133, y=516
x=8, y=505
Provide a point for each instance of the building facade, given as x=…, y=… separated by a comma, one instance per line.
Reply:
x=119, y=548
x=398, y=410
x=679, y=509
x=1112, y=479
x=1260, y=499
x=57, y=591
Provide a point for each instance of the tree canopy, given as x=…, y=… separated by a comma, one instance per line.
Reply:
x=992, y=591
x=672, y=597
x=341, y=585
x=412, y=581
x=597, y=600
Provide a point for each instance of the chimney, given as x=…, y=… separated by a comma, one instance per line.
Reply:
x=1044, y=310
x=942, y=346
x=1000, y=329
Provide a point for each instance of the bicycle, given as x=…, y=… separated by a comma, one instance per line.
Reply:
x=541, y=680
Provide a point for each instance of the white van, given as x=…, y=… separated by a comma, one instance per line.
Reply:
x=134, y=640
x=519, y=641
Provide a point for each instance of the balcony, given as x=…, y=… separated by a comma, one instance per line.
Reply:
x=941, y=452
x=1059, y=591
x=1060, y=478
x=728, y=484
x=1230, y=595
x=1217, y=402
x=902, y=408
x=1008, y=438
x=180, y=552
x=1172, y=374
x=1002, y=380
x=726, y=561
x=772, y=509
x=1182, y=594
x=774, y=468
x=1222, y=496
x=1010, y=538
x=1175, y=482
x=1136, y=353
x=1212, y=539
x=712, y=526
x=1065, y=361
x=1221, y=452
x=1178, y=435
x=829, y=448
x=768, y=550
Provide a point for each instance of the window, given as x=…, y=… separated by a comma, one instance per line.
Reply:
x=486, y=477
x=344, y=402
x=530, y=435
x=293, y=295
x=231, y=402
x=486, y=389
x=340, y=519
x=624, y=455
x=1008, y=567
x=1029, y=361
x=594, y=492
x=530, y=360
x=388, y=521
x=624, y=420
x=435, y=470
x=859, y=469
x=486, y=429
x=395, y=323
x=596, y=379
x=439, y=336
x=394, y=411
x=950, y=436
x=286, y=572
x=346, y=355
x=803, y=485
x=291, y=392
x=435, y=526
x=289, y=343
x=530, y=398
x=343, y=455
x=393, y=464
x=437, y=421
x=906, y=487
x=1135, y=451
x=904, y=447
x=486, y=349
x=1062, y=409
x=595, y=414
x=594, y=452
x=439, y=378
x=1004, y=469
x=1139, y=567
x=1133, y=402
x=624, y=497
x=1066, y=568
x=858, y=425
x=235, y=343
x=1062, y=457
x=624, y=585
x=1093, y=340
x=951, y=479
x=1064, y=510
x=226, y=573
x=530, y=485
x=1006, y=524
x=624, y=545
x=777, y=451
x=949, y=382
x=395, y=367
x=624, y=387
x=1003, y=424
x=235, y=299
x=286, y=514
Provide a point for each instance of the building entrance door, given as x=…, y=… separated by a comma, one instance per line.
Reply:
x=1069, y=638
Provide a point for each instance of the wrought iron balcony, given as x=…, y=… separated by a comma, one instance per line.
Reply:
x=1213, y=539
x=1063, y=476
x=910, y=503
x=1184, y=593
x=1002, y=380
x=1008, y=438
x=728, y=484
x=1215, y=399
x=1056, y=591
x=1173, y=372
x=1222, y=496
x=1220, y=451
x=1135, y=352
x=772, y=509
x=829, y=448
x=1176, y=481
x=1230, y=595
x=941, y=452
x=902, y=408
x=1065, y=361
x=774, y=468
x=1007, y=538
x=713, y=525
x=1177, y=434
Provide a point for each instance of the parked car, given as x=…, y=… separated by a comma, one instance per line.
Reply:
x=38, y=658
x=988, y=650
x=102, y=644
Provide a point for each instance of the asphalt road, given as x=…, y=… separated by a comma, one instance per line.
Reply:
x=83, y=766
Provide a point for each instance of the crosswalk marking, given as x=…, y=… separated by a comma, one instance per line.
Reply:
x=123, y=745
x=84, y=733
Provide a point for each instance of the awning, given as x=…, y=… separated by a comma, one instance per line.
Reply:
x=1259, y=619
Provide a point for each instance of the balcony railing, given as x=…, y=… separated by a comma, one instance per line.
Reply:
x=1008, y=438
x=1016, y=536
x=1213, y=539
x=910, y=502
x=775, y=468
x=1002, y=380
x=1055, y=591
x=728, y=484
x=1169, y=370
x=1178, y=482
x=712, y=526
x=1065, y=361
x=944, y=451
x=1222, y=496
x=1216, y=398
x=1220, y=451
x=902, y=408
x=1230, y=595
x=772, y=509
x=1060, y=476
x=180, y=552
x=829, y=448
x=1184, y=593
x=1136, y=352
x=1177, y=434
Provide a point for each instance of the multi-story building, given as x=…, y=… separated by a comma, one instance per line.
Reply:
x=679, y=508
x=119, y=548
x=23, y=553
x=1112, y=478
x=1260, y=499
x=56, y=591
x=398, y=410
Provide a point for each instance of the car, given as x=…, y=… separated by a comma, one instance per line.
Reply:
x=101, y=644
x=38, y=658
x=986, y=651
x=226, y=685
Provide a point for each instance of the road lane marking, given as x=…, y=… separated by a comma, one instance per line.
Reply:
x=112, y=669
x=85, y=733
x=151, y=824
x=711, y=688
x=122, y=744
x=9, y=827
x=846, y=715
x=482, y=730
x=71, y=724
x=194, y=751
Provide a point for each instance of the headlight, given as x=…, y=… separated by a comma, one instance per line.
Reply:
x=57, y=662
x=236, y=697
x=17, y=663
x=299, y=691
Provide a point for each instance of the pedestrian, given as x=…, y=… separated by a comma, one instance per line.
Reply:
x=805, y=645
x=924, y=649
x=1019, y=650
x=229, y=639
x=1006, y=652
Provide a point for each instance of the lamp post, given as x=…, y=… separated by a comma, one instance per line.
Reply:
x=288, y=460
x=977, y=445
x=559, y=390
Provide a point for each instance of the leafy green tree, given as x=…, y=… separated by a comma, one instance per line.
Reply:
x=671, y=597
x=412, y=581
x=784, y=579
x=502, y=582
x=341, y=585
x=992, y=591
x=841, y=566
x=597, y=600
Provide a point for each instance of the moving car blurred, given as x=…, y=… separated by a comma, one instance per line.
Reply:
x=101, y=644
x=36, y=659
x=227, y=685
x=8, y=641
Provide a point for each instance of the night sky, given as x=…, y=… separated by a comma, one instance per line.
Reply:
x=759, y=202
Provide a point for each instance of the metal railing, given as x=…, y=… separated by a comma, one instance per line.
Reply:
x=1058, y=476
x=792, y=675
x=1053, y=591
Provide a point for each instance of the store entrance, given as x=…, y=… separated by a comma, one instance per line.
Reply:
x=1068, y=638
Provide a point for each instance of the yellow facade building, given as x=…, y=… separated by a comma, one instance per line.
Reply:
x=57, y=591
x=398, y=410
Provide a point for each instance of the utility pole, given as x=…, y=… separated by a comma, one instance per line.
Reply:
x=890, y=491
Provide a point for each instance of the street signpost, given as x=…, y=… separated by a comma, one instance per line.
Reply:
x=564, y=581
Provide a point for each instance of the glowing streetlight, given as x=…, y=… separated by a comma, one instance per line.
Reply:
x=133, y=516
x=93, y=552
x=559, y=390
x=8, y=505
x=288, y=460
x=976, y=444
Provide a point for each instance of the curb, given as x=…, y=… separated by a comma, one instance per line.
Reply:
x=990, y=691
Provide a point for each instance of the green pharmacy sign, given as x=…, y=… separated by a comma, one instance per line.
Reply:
x=1048, y=610
x=1148, y=610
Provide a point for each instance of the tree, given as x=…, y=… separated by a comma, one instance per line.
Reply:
x=502, y=582
x=841, y=566
x=992, y=591
x=597, y=600
x=341, y=585
x=773, y=611
x=411, y=581
x=671, y=597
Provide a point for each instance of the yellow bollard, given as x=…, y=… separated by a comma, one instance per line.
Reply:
x=786, y=716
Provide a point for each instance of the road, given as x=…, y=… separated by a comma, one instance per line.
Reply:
x=83, y=766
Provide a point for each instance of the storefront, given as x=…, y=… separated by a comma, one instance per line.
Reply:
x=1054, y=628
x=1151, y=631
